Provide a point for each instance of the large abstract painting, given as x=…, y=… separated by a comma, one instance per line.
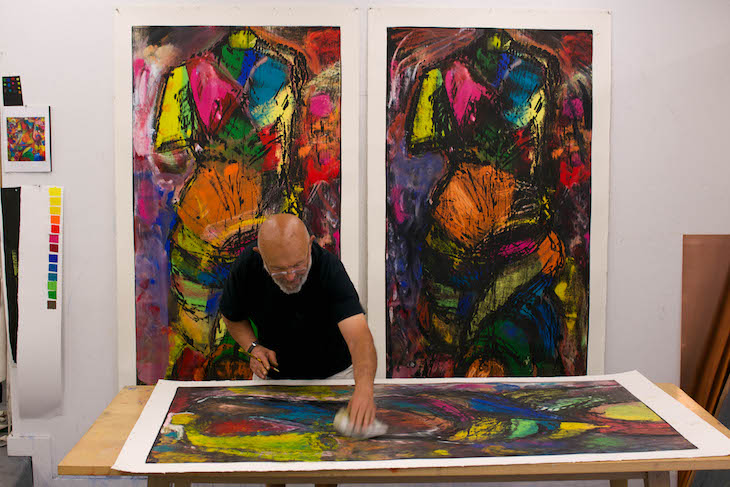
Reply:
x=230, y=124
x=239, y=426
x=488, y=168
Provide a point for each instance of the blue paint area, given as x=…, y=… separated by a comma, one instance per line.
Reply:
x=53, y=258
x=266, y=81
x=497, y=405
x=52, y=277
x=466, y=302
x=211, y=306
x=539, y=311
x=300, y=412
x=523, y=81
x=250, y=58
x=505, y=61
x=53, y=267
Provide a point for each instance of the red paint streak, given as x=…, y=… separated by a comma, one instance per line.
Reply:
x=570, y=176
x=189, y=365
x=270, y=139
x=247, y=427
x=325, y=45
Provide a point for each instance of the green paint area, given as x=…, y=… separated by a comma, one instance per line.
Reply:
x=522, y=428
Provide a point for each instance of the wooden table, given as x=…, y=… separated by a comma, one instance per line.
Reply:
x=96, y=452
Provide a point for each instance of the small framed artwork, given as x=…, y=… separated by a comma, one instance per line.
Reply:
x=26, y=139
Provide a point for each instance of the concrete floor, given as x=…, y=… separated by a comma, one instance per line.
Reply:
x=14, y=471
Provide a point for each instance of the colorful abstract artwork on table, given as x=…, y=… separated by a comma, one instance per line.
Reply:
x=434, y=421
x=488, y=168
x=230, y=125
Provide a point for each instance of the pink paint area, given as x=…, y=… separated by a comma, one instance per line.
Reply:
x=143, y=103
x=396, y=201
x=145, y=202
x=336, y=236
x=573, y=108
x=523, y=247
x=53, y=238
x=463, y=92
x=320, y=105
x=447, y=408
x=214, y=93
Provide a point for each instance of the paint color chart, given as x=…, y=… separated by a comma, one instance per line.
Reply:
x=55, y=199
x=40, y=301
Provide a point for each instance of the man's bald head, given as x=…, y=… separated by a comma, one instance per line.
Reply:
x=283, y=239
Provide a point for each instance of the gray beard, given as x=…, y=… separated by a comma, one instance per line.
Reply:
x=301, y=284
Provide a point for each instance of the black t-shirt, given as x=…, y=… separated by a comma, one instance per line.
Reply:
x=302, y=327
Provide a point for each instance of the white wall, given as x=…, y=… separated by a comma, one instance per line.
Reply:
x=670, y=174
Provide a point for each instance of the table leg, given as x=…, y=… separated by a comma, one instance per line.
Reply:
x=656, y=479
x=619, y=482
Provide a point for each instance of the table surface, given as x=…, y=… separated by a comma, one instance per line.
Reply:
x=98, y=449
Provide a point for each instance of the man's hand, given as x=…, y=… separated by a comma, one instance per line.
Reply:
x=262, y=359
x=361, y=409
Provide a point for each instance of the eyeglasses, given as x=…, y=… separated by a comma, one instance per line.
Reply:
x=294, y=271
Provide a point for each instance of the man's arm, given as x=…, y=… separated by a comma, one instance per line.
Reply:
x=242, y=332
x=364, y=363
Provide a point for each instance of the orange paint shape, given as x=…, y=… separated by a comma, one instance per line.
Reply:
x=475, y=203
x=55, y=219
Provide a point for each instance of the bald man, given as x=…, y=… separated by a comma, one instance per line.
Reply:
x=306, y=311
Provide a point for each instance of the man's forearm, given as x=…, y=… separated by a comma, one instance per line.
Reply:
x=241, y=331
x=362, y=349
x=364, y=363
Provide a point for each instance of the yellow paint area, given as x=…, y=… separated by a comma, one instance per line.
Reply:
x=243, y=39
x=633, y=411
x=481, y=430
x=291, y=200
x=54, y=191
x=442, y=328
x=183, y=418
x=279, y=107
x=423, y=127
x=569, y=429
x=55, y=210
x=170, y=127
x=174, y=457
x=55, y=201
x=291, y=446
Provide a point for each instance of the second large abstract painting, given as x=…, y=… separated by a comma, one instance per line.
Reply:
x=489, y=190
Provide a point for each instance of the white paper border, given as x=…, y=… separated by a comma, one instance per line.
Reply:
x=26, y=112
x=709, y=441
x=599, y=22
x=250, y=15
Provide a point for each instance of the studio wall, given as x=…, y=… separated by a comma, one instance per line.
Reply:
x=669, y=174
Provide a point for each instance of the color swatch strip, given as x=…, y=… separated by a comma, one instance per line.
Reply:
x=55, y=196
